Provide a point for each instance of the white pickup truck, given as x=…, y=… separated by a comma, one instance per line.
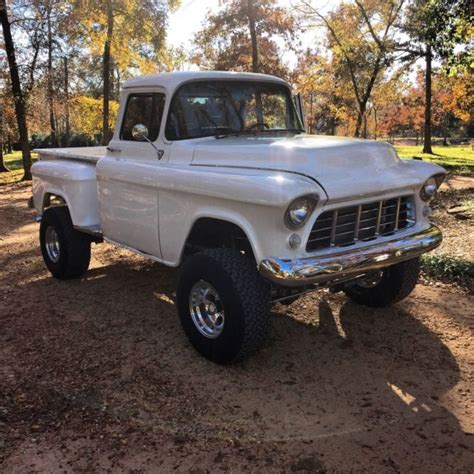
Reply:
x=213, y=172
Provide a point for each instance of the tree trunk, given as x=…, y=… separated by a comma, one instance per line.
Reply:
x=52, y=122
x=445, y=129
x=67, y=133
x=16, y=90
x=375, y=124
x=363, y=100
x=3, y=168
x=118, y=86
x=106, y=74
x=360, y=118
x=427, y=132
x=253, y=36
x=311, y=116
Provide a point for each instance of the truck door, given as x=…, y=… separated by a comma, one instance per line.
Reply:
x=128, y=194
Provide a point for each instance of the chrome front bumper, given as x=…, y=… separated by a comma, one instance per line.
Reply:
x=343, y=265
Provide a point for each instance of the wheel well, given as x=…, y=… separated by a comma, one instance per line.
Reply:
x=51, y=199
x=208, y=232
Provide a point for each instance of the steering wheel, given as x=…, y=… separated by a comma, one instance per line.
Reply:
x=258, y=124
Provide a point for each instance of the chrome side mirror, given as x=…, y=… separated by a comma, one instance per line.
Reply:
x=140, y=132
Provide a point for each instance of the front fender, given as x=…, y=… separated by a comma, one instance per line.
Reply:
x=258, y=210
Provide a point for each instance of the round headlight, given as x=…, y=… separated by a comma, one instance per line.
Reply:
x=430, y=187
x=299, y=211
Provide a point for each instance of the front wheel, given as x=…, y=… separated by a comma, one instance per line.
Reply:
x=66, y=252
x=224, y=304
x=390, y=285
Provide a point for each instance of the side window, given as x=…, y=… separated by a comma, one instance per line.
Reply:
x=145, y=109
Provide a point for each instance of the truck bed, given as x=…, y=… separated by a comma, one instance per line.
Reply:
x=91, y=154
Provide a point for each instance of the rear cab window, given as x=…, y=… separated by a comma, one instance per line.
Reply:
x=146, y=109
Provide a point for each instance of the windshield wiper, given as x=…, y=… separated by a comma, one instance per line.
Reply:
x=237, y=133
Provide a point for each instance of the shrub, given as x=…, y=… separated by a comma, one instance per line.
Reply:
x=448, y=268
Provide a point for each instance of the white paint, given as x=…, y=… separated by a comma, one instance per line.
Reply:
x=150, y=205
x=74, y=181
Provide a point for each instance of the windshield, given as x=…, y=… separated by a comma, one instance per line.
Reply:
x=202, y=109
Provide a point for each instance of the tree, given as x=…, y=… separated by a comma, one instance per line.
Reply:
x=361, y=40
x=437, y=29
x=453, y=102
x=124, y=33
x=37, y=23
x=3, y=167
x=326, y=102
x=86, y=114
x=106, y=72
x=243, y=36
x=16, y=91
x=384, y=110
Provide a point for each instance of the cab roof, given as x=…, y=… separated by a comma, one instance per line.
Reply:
x=171, y=80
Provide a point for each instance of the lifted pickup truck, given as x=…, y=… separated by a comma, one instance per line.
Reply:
x=213, y=172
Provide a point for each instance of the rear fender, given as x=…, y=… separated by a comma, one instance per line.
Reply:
x=72, y=181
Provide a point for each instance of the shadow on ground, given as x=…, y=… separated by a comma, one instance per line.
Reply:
x=104, y=358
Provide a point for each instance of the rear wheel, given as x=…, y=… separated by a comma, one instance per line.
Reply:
x=66, y=252
x=386, y=287
x=223, y=304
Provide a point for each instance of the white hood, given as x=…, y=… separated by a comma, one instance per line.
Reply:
x=344, y=167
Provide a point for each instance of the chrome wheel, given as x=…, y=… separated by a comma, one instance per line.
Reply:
x=207, y=311
x=52, y=244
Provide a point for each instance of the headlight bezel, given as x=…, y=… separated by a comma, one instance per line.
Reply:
x=290, y=218
x=431, y=186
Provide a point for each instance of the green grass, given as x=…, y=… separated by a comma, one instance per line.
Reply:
x=458, y=158
x=14, y=163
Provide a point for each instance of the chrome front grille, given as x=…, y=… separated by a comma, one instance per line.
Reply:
x=345, y=226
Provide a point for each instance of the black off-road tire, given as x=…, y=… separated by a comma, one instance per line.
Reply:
x=74, y=246
x=397, y=282
x=245, y=299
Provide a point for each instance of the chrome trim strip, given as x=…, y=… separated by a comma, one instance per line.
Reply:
x=357, y=224
x=379, y=218
x=397, y=213
x=308, y=270
x=333, y=228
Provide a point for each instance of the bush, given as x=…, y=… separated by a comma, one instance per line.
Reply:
x=449, y=269
x=81, y=139
x=42, y=140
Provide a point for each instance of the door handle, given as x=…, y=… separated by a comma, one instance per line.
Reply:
x=113, y=149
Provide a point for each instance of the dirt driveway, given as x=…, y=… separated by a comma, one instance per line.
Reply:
x=96, y=374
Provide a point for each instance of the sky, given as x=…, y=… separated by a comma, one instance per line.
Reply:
x=188, y=19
